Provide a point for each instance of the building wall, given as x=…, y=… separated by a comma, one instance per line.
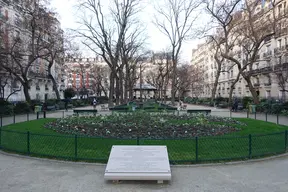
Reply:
x=266, y=83
x=79, y=73
x=41, y=87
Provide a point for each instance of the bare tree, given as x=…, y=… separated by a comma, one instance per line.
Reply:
x=55, y=52
x=243, y=31
x=175, y=19
x=28, y=44
x=99, y=74
x=132, y=55
x=160, y=74
x=7, y=82
x=105, y=37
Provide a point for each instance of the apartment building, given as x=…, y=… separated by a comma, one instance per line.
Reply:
x=12, y=25
x=85, y=74
x=271, y=65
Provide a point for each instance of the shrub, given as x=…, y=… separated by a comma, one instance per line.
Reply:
x=4, y=102
x=69, y=93
x=6, y=110
x=51, y=102
x=22, y=107
x=102, y=99
x=246, y=101
x=276, y=108
x=60, y=105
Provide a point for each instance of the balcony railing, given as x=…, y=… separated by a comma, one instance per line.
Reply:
x=256, y=85
x=267, y=84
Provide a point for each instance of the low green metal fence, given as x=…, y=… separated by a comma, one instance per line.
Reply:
x=194, y=150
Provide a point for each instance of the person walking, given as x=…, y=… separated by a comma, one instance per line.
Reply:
x=94, y=103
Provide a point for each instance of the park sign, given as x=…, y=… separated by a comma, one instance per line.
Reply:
x=138, y=163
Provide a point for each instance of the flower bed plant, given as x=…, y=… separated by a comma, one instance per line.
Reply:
x=146, y=125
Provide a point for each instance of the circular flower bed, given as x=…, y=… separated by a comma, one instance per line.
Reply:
x=146, y=125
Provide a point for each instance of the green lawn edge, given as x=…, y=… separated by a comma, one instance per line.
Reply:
x=267, y=139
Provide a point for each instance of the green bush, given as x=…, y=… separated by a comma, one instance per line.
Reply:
x=223, y=104
x=51, y=102
x=276, y=108
x=4, y=103
x=60, y=105
x=6, y=110
x=69, y=93
x=246, y=101
x=22, y=107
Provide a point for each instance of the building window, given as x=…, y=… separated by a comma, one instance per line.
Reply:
x=268, y=94
x=279, y=43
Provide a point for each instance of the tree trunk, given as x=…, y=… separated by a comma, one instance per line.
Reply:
x=26, y=92
x=126, y=84
x=141, y=82
x=54, y=86
x=215, y=85
x=252, y=90
x=173, y=82
x=121, y=86
x=117, y=91
x=111, y=89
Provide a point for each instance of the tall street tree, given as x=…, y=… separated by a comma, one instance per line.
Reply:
x=175, y=19
x=105, y=33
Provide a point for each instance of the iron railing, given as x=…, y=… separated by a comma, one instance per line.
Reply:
x=188, y=150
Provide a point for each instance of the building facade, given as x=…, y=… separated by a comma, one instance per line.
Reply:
x=13, y=26
x=268, y=74
x=89, y=75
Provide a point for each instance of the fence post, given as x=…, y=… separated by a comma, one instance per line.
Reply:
x=138, y=142
x=196, y=149
x=14, y=118
x=247, y=114
x=1, y=121
x=230, y=113
x=286, y=135
x=76, y=147
x=62, y=114
x=37, y=115
x=44, y=114
x=266, y=116
x=28, y=142
x=250, y=146
x=0, y=138
x=28, y=116
x=277, y=119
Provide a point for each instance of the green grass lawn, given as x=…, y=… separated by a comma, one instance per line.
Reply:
x=266, y=139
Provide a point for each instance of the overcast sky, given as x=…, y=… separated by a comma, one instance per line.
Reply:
x=157, y=41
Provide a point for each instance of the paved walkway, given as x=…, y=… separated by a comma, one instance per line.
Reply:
x=21, y=174
x=283, y=120
x=218, y=112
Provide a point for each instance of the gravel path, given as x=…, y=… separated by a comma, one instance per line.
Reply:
x=21, y=174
